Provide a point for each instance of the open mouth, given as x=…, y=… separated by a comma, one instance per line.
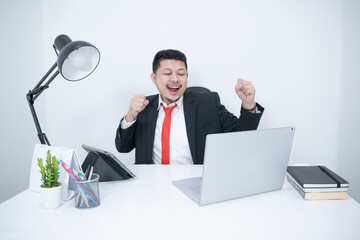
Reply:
x=173, y=88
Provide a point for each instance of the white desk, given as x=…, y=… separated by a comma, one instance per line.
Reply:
x=150, y=207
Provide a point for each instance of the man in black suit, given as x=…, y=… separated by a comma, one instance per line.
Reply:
x=197, y=112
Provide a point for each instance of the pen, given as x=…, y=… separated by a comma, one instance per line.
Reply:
x=83, y=196
x=75, y=178
x=82, y=178
x=91, y=172
x=87, y=172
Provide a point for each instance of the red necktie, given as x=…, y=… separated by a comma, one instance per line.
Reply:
x=165, y=136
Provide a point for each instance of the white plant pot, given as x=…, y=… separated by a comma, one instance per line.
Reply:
x=51, y=197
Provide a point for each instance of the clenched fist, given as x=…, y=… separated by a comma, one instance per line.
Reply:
x=138, y=103
x=246, y=92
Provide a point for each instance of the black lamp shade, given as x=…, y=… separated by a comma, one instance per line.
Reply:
x=76, y=59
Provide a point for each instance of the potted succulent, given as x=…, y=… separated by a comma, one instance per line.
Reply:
x=51, y=188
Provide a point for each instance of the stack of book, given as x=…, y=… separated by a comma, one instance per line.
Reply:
x=317, y=182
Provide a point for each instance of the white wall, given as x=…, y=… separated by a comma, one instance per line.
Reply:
x=20, y=65
x=291, y=50
x=348, y=158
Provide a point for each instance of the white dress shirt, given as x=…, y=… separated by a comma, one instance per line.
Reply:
x=179, y=144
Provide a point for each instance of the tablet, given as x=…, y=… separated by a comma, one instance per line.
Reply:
x=111, y=161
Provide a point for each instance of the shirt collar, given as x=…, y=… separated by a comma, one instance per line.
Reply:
x=179, y=103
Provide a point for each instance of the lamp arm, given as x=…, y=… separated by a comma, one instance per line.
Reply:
x=38, y=89
x=33, y=94
x=42, y=137
x=36, y=92
x=45, y=76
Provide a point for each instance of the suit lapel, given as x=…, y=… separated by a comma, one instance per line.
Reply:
x=189, y=113
x=152, y=118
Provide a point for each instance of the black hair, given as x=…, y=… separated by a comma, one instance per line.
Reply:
x=168, y=54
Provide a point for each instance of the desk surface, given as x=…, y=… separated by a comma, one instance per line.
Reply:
x=150, y=207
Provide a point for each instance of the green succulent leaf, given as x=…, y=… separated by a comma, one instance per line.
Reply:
x=50, y=173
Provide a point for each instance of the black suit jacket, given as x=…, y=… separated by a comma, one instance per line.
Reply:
x=203, y=113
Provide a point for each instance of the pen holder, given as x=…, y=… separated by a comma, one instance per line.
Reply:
x=87, y=193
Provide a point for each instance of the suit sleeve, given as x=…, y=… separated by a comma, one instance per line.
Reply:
x=125, y=138
x=246, y=121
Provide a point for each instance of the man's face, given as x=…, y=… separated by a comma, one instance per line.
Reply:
x=170, y=79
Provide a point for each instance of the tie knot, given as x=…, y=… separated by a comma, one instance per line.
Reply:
x=168, y=110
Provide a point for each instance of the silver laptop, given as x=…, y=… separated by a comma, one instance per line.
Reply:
x=240, y=164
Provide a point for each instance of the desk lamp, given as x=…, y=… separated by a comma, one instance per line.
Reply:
x=76, y=60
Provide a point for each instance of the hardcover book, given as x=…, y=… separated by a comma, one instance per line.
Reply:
x=325, y=189
x=322, y=194
x=316, y=177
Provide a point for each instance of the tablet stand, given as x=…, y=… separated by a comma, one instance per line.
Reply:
x=106, y=167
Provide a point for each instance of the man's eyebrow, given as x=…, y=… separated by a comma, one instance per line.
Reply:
x=170, y=69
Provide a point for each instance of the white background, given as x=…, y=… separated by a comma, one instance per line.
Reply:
x=302, y=57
